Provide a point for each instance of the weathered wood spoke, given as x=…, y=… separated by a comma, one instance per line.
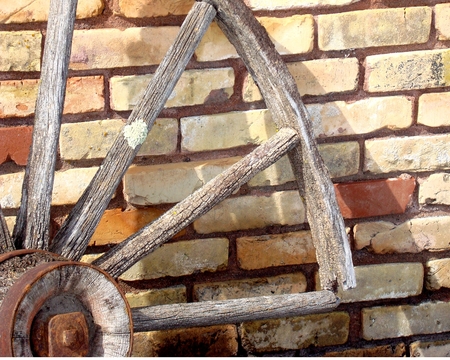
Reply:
x=284, y=102
x=72, y=239
x=6, y=243
x=123, y=256
x=207, y=313
x=33, y=219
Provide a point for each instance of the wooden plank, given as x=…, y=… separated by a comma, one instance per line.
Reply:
x=117, y=260
x=6, y=243
x=33, y=219
x=207, y=313
x=74, y=235
x=284, y=102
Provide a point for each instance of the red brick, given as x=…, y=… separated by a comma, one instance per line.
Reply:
x=116, y=225
x=375, y=197
x=15, y=144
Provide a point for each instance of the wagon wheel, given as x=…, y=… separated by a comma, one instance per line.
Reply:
x=89, y=335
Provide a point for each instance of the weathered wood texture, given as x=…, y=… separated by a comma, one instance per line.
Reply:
x=33, y=219
x=234, y=311
x=284, y=102
x=117, y=260
x=6, y=243
x=73, y=237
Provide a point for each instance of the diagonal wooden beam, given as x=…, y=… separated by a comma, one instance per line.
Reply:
x=6, y=243
x=207, y=313
x=284, y=102
x=72, y=239
x=33, y=219
x=119, y=259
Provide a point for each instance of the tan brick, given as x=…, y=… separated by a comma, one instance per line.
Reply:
x=93, y=139
x=154, y=8
x=438, y=274
x=378, y=27
x=181, y=258
x=434, y=109
x=294, y=248
x=295, y=333
x=398, y=350
x=291, y=35
x=152, y=297
x=412, y=236
x=170, y=183
x=294, y=4
x=10, y=222
x=430, y=349
x=396, y=321
x=20, y=50
x=435, y=189
x=68, y=187
x=209, y=341
x=442, y=16
x=112, y=48
x=194, y=87
x=23, y=11
x=341, y=118
x=276, y=285
x=384, y=281
x=315, y=77
x=415, y=153
x=407, y=71
x=116, y=225
x=251, y=212
x=83, y=94
x=341, y=159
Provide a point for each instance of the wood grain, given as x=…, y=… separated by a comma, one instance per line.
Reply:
x=284, y=102
x=72, y=239
x=6, y=243
x=33, y=220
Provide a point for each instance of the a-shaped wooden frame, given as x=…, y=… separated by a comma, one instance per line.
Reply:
x=295, y=137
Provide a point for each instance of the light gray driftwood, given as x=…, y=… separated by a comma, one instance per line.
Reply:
x=73, y=237
x=207, y=313
x=33, y=219
x=6, y=243
x=117, y=260
x=284, y=102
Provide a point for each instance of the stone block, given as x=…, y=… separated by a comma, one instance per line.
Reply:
x=315, y=77
x=194, y=87
x=295, y=333
x=208, y=341
x=181, y=258
x=434, y=109
x=384, y=322
x=236, y=289
x=294, y=248
x=413, y=236
x=435, y=189
x=414, y=153
x=252, y=212
x=384, y=281
x=407, y=71
x=15, y=144
x=114, y=48
x=20, y=50
x=376, y=27
x=153, y=297
x=24, y=11
x=93, y=139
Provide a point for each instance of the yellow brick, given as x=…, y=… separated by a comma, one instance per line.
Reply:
x=152, y=297
x=295, y=4
x=154, y=8
x=434, y=109
x=20, y=50
x=442, y=14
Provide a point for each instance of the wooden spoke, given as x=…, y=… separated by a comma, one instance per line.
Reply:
x=123, y=256
x=6, y=243
x=207, y=313
x=283, y=100
x=33, y=219
x=73, y=237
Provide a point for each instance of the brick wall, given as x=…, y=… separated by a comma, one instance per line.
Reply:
x=375, y=76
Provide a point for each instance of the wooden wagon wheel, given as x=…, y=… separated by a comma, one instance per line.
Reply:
x=31, y=231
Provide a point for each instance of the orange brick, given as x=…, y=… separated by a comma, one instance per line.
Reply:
x=15, y=144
